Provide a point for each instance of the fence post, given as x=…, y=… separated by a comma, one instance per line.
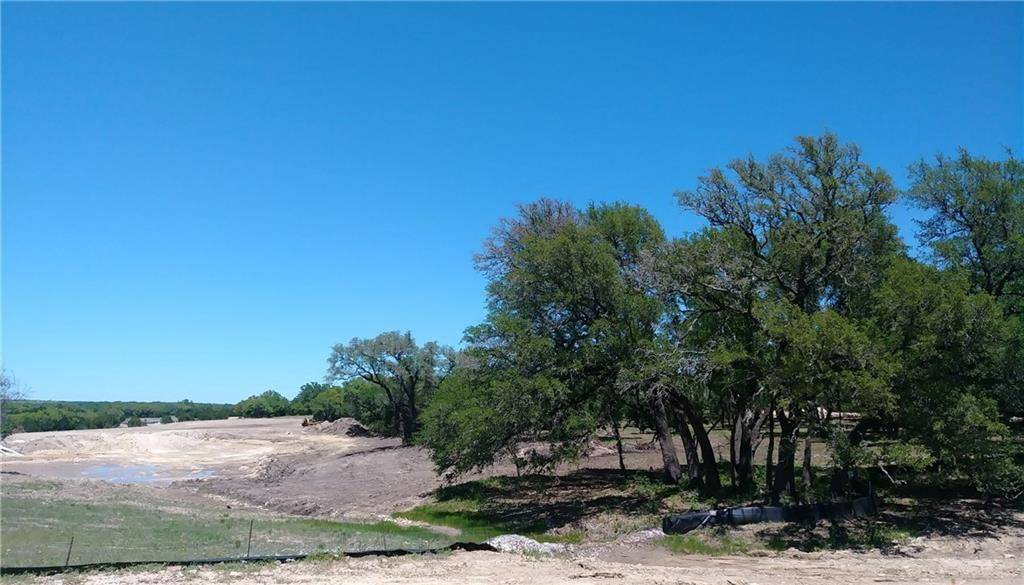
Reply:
x=71, y=543
x=248, y=546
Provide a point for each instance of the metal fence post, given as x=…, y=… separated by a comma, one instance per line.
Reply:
x=71, y=543
x=248, y=546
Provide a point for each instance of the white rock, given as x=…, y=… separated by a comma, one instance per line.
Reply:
x=522, y=545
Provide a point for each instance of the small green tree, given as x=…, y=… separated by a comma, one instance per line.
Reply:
x=268, y=404
x=407, y=373
x=368, y=404
x=302, y=403
x=328, y=405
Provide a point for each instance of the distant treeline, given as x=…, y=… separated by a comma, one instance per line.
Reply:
x=46, y=415
x=355, y=398
x=323, y=402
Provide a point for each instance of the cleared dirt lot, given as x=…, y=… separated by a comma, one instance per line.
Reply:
x=274, y=463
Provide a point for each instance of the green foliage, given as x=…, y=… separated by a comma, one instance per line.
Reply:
x=968, y=440
x=302, y=403
x=479, y=415
x=798, y=299
x=479, y=511
x=135, y=421
x=41, y=415
x=566, y=316
x=950, y=345
x=829, y=360
x=328, y=405
x=977, y=221
x=712, y=543
x=369, y=404
x=266, y=405
x=166, y=419
x=407, y=373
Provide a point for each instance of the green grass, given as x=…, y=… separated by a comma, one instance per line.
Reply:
x=36, y=527
x=710, y=543
x=473, y=524
x=470, y=509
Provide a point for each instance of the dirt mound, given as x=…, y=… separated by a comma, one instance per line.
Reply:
x=272, y=470
x=349, y=427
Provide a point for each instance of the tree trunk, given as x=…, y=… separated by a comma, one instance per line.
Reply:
x=671, y=469
x=734, y=435
x=769, y=463
x=838, y=482
x=709, y=465
x=747, y=423
x=841, y=473
x=408, y=423
x=689, y=449
x=808, y=474
x=785, y=479
x=618, y=444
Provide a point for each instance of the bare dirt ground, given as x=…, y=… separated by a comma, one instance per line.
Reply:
x=278, y=465
x=817, y=569
x=171, y=451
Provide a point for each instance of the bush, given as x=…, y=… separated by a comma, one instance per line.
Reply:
x=369, y=405
x=303, y=401
x=266, y=405
x=968, y=440
x=328, y=405
x=166, y=419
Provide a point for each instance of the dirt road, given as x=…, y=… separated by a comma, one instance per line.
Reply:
x=470, y=568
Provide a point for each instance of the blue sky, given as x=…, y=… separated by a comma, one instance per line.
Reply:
x=198, y=200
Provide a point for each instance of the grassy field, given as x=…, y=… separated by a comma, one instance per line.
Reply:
x=38, y=520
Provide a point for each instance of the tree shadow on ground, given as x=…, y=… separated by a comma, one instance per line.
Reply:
x=537, y=503
x=540, y=503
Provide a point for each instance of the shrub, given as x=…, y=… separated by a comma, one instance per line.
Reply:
x=328, y=405
x=369, y=405
x=266, y=405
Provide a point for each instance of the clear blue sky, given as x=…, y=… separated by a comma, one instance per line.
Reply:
x=199, y=200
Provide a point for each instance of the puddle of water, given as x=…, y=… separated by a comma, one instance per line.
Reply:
x=139, y=474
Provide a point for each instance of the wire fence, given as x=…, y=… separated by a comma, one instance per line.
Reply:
x=237, y=539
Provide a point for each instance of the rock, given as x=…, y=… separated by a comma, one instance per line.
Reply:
x=642, y=536
x=515, y=543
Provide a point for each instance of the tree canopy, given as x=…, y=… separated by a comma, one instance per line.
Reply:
x=407, y=373
x=795, y=306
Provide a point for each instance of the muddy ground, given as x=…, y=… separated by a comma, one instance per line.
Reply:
x=329, y=471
